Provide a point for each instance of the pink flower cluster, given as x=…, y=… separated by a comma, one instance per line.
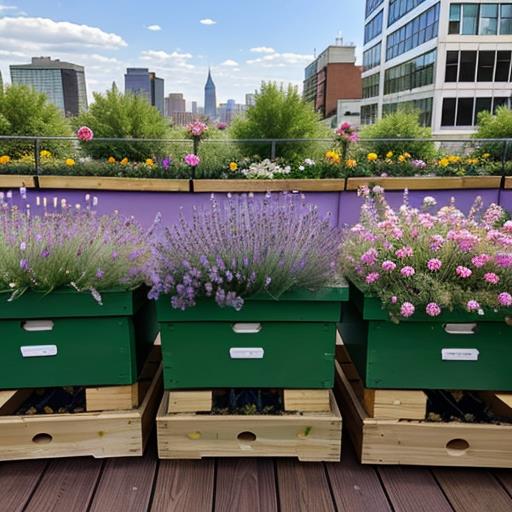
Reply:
x=192, y=160
x=197, y=128
x=347, y=132
x=435, y=261
x=85, y=134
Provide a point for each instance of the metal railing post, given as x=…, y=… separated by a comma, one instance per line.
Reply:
x=37, y=155
x=273, y=150
x=504, y=155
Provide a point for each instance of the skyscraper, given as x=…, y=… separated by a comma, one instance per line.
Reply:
x=194, y=107
x=62, y=82
x=448, y=60
x=174, y=103
x=142, y=82
x=210, y=98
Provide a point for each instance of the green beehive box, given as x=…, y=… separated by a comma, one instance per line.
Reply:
x=66, y=338
x=456, y=350
x=285, y=343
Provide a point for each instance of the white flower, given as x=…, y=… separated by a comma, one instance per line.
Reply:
x=301, y=167
x=429, y=201
x=95, y=201
x=309, y=162
x=377, y=189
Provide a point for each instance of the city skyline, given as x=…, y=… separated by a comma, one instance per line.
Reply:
x=178, y=44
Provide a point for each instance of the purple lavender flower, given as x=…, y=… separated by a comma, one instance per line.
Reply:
x=100, y=274
x=24, y=264
x=166, y=163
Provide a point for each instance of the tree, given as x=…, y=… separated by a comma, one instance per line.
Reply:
x=498, y=126
x=402, y=124
x=116, y=115
x=279, y=113
x=24, y=111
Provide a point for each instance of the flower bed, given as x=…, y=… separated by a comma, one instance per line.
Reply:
x=71, y=280
x=447, y=279
x=256, y=258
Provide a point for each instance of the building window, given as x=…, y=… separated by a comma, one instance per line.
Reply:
x=414, y=73
x=373, y=28
x=399, y=8
x=464, y=111
x=486, y=61
x=371, y=5
x=419, y=30
x=371, y=57
x=480, y=19
x=492, y=66
x=369, y=113
x=422, y=106
x=371, y=85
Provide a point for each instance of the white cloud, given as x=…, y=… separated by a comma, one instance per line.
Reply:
x=154, y=28
x=37, y=35
x=207, y=21
x=162, y=58
x=4, y=8
x=278, y=60
x=262, y=49
x=230, y=63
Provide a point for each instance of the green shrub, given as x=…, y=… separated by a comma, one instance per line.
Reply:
x=24, y=111
x=118, y=115
x=401, y=124
x=498, y=126
x=280, y=113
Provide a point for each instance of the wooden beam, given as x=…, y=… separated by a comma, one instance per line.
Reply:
x=307, y=400
x=190, y=401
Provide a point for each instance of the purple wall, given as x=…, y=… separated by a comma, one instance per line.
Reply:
x=344, y=207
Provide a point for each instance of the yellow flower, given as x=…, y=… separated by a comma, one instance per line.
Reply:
x=444, y=162
x=402, y=158
x=389, y=154
x=453, y=159
x=472, y=161
x=486, y=155
x=372, y=157
x=407, y=155
x=351, y=163
x=45, y=154
x=233, y=166
x=5, y=159
x=70, y=162
x=111, y=160
x=124, y=161
x=150, y=162
x=333, y=157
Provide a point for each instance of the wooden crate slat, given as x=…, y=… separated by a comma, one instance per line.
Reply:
x=247, y=485
x=184, y=486
x=11, y=401
x=500, y=403
x=112, y=398
x=473, y=491
x=303, y=487
x=415, y=489
x=190, y=401
x=307, y=400
x=308, y=436
x=66, y=485
x=389, y=404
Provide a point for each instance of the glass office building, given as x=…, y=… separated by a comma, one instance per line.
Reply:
x=449, y=60
x=142, y=82
x=62, y=82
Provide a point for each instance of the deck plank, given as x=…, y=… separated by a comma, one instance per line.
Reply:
x=184, y=485
x=303, y=487
x=473, y=490
x=17, y=483
x=505, y=477
x=245, y=484
x=413, y=489
x=126, y=484
x=356, y=488
x=67, y=484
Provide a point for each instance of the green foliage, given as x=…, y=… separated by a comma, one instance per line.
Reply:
x=279, y=114
x=498, y=126
x=125, y=116
x=24, y=111
x=400, y=124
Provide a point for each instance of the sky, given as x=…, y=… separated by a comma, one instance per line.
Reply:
x=244, y=42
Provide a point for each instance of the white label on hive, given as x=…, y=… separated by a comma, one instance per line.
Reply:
x=39, y=351
x=246, y=353
x=460, y=354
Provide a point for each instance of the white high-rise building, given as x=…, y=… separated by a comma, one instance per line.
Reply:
x=449, y=60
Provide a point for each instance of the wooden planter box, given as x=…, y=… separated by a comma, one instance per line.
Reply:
x=16, y=181
x=508, y=182
x=288, y=343
x=391, y=429
x=66, y=338
x=453, y=351
x=121, y=431
x=310, y=436
x=427, y=182
x=307, y=185
x=109, y=183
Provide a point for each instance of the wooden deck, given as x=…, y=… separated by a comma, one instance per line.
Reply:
x=246, y=485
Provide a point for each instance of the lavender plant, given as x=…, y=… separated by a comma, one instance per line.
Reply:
x=234, y=249
x=52, y=244
x=420, y=260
